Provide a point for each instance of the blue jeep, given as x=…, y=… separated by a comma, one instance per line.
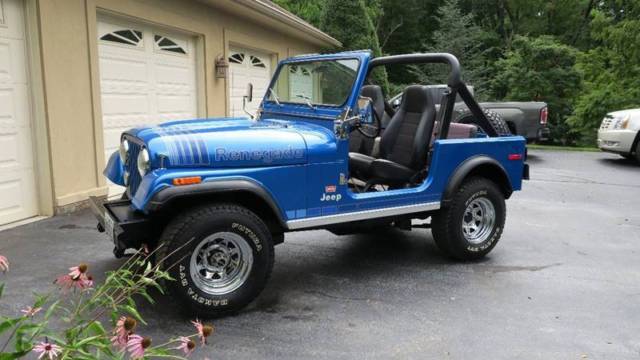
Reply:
x=324, y=151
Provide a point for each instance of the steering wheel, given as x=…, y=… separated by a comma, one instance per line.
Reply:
x=370, y=130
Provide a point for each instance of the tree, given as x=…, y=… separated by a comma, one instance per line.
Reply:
x=350, y=22
x=308, y=10
x=611, y=70
x=541, y=69
x=457, y=34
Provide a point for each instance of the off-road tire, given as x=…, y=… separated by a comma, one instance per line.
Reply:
x=181, y=238
x=446, y=224
x=466, y=117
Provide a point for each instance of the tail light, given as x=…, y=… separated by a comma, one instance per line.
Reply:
x=544, y=115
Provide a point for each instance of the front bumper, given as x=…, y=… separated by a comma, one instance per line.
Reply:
x=617, y=141
x=126, y=227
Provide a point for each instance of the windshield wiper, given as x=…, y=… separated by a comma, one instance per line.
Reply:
x=275, y=97
x=307, y=100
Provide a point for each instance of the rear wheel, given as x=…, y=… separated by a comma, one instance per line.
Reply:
x=221, y=257
x=466, y=117
x=470, y=226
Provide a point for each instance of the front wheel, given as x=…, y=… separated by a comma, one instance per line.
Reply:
x=470, y=226
x=221, y=257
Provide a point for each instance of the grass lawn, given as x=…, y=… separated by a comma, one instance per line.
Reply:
x=562, y=148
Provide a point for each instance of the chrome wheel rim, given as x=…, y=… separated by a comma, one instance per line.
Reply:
x=221, y=263
x=478, y=220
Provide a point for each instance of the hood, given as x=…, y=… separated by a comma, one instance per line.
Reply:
x=223, y=143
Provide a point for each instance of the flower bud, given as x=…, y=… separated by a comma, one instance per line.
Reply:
x=146, y=342
x=130, y=324
x=207, y=330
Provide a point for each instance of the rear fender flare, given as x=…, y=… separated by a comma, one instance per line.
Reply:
x=482, y=165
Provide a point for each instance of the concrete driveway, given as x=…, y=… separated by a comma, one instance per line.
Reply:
x=563, y=283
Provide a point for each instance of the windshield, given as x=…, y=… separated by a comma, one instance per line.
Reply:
x=325, y=82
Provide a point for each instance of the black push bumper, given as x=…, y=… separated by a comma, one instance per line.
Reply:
x=126, y=227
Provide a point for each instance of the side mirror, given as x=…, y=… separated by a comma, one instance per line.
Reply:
x=248, y=97
x=365, y=110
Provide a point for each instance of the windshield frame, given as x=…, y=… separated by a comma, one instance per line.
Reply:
x=276, y=75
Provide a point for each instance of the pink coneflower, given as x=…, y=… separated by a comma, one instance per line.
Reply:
x=186, y=345
x=47, y=349
x=124, y=329
x=29, y=311
x=4, y=264
x=203, y=330
x=136, y=346
x=86, y=281
x=77, y=271
x=81, y=282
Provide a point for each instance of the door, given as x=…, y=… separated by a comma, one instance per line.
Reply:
x=17, y=178
x=247, y=66
x=147, y=76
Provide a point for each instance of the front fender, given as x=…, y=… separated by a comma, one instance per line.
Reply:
x=164, y=198
x=114, y=170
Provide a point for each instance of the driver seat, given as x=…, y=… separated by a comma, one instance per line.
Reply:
x=404, y=146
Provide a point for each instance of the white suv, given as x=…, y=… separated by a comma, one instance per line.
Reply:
x=620, y=133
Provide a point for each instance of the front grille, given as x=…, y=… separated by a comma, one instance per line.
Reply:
x=132, y=167
x=606, y=123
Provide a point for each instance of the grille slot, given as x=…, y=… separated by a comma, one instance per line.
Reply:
x=606, y=123
x=132, y=168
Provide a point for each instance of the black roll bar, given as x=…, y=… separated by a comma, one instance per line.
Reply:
x=455, y=83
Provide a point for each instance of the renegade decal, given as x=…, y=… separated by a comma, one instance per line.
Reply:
x=266, y=156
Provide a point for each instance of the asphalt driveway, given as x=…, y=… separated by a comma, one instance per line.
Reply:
x=563, y=283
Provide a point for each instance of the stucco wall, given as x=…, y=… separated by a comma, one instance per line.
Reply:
x=68, y=38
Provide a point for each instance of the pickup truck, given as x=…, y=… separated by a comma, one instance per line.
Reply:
x=528, y=119
x=211, y=197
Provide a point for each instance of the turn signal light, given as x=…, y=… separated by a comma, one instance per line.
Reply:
x=515, y=156
x=190, y=180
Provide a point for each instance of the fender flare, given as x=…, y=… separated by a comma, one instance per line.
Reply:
x=164, y=197
x=467, y=167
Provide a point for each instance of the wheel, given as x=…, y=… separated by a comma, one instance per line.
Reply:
x=628, y=156
x=638, y=151
x=466, y=117
x=471, y=224
x=221, y=257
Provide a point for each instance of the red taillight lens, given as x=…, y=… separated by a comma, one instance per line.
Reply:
x=544, y=115
x=515, y=156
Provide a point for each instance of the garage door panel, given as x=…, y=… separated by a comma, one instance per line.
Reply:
x=124, y=104
x=12, y=65
x=11, y=19
x=18, y=195
x=247, y=66
x=141, y=82
x=17, y=182
x=123, y=69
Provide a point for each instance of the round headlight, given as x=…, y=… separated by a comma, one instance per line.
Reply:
x=124, y=151
x=143, y=162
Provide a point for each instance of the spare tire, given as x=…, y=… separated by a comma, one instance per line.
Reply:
x=466, y=117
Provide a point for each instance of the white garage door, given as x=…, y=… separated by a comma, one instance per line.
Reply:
x=247, y=66
x=147, y=76
x=18, y=196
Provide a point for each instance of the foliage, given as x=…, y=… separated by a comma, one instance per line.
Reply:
x=596, y=39
x=540, y=69
x=457, y=34
x=350, y=22
x=68, y=322
x=611, y=71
